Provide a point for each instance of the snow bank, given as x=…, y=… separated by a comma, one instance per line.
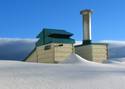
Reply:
x=76, y=59
x=116, y=48
x=22, y=75
x=15, y=48
x=78, y=43
x=74, y=73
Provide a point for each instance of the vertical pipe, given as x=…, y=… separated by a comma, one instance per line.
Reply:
x=86, y=16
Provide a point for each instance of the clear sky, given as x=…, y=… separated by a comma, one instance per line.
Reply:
x=26, y=18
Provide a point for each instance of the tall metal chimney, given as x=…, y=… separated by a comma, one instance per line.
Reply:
x=86, y=14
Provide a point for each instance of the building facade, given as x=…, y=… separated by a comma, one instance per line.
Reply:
x=53, y=46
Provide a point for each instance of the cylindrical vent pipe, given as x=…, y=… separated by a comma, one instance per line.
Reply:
x=86, y=14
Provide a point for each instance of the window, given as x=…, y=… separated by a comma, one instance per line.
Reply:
x=60, y=45
x=47, y=47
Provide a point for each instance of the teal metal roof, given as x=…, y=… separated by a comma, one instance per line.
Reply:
x=54, y=36
x=54, y=31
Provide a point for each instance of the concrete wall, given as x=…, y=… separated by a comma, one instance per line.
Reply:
x=99, y=53
x=45, y=55
x=93, y=52
x=51, y=53
x=62, y=52
x=57, y=52
x=84, y=51
x=32, y=57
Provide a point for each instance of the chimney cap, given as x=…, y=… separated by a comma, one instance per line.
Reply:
x=82, y=12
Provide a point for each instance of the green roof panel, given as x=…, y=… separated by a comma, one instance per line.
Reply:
x=55, y=36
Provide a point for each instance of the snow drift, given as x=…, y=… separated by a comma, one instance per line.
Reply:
x=76, y=59
x=116, y=48
x=15, y=48
x=22, y=75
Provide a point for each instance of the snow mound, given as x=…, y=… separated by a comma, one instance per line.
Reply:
x=15, y=48
x=78, y=43
x=23, y=75
x=120, y=61
x=76, y=59
x=116, y=48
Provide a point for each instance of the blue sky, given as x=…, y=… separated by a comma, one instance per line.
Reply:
x=26, y=18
